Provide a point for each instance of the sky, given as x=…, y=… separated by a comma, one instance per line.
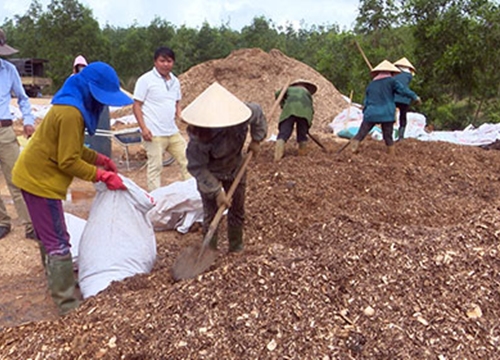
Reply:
x=192, y=13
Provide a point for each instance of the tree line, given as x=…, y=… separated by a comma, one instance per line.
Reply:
x=452, y=43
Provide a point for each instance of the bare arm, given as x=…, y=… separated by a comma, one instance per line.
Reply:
x=137, y=110
x=178, y=110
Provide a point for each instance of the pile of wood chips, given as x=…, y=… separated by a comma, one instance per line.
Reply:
x=254, y=75
x=347, y=257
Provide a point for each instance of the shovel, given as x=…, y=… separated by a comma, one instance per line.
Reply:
x=194, y=260
x=313, y=138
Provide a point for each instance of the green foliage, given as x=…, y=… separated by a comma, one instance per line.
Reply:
x=453, y=116
x=453, y=44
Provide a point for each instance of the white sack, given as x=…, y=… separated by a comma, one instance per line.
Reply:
x=347, y=125
x=178, y=206
x=75, y=226
x=119, y=240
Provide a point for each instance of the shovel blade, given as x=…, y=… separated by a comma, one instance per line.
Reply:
x=192, y=261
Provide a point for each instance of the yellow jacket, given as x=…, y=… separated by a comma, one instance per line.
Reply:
x=55, y=154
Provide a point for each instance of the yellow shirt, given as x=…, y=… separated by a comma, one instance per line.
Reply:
x=55, y=154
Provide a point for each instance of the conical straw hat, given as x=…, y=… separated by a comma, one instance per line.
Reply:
x=385, y=66
x=312, y=88
x=405, y=63
x=216, y=107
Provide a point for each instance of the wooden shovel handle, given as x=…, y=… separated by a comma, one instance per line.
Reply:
x=218, y=216
x=278, y=100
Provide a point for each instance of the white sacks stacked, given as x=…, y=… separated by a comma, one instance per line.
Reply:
x=118, y=240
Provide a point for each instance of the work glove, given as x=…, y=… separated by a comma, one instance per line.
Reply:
x=254, y=147
x=112, y=180
x=106, y=163
x=222, y=199
x=418, y=101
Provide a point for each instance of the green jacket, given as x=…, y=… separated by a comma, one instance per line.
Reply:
x=216, y=154
x=296, y=102
x=54, y=155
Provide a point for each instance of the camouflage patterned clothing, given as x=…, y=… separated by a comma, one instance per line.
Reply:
x=297, y=102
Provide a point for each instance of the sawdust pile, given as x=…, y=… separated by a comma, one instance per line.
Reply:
x=254, y=75
x=346, y=257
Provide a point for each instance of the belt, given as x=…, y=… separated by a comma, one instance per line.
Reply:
x=5, y=123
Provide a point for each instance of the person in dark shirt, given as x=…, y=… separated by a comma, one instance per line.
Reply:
x=214, y=154
x=379, y=106
x=403, y=102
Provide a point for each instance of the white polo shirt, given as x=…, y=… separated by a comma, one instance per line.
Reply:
x=159, y=98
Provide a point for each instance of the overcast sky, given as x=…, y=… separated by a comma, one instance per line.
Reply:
x=192, y=13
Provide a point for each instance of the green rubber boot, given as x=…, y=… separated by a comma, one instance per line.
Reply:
x=302, y=148
x=401, y=133
x=43, y=255
x=235, y=236
x=279, y=150
x=213, y=242
x=354, y=146
x=62, y=282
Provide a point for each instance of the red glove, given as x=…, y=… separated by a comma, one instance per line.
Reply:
x=111, y=179
x=106, y=163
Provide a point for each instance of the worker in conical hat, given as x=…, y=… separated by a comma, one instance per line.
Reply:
x=218, y=123
x=403, y=102
x=297, y=111
x=379, y=106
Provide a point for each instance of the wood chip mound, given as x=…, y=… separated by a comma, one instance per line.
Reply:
x=346, y=257
x=254, y=75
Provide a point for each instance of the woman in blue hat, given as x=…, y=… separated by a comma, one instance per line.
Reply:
x=54, y=156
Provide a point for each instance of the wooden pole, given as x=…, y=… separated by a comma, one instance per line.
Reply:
x=364, y=56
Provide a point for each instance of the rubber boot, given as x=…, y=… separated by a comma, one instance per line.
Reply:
x=354, y=146
x=43, y=256
x=279, y=150
x=401, y=133
x=213, y=242
x=62, y=282
x=235, y=236
x=302, y=148
x=391, y=151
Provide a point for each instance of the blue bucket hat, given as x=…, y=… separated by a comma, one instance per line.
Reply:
x=90, y=90
x=105, y=85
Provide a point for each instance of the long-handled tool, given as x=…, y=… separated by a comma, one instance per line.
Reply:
x=343, y=147
x=195, y=259
x=313, y=138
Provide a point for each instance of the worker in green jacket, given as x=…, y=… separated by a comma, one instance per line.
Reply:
x=379, y=106
x=55, y=155
x=297, y=110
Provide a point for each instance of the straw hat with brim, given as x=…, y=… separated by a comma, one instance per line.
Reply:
x=385, y=66
x=404, y=62
x=309, y=85
x=104, y=84
x=5, y=49
x=216, y=107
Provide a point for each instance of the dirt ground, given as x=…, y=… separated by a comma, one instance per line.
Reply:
x=347, y=257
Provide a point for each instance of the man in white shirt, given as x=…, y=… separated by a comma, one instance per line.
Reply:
x=156, y=105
